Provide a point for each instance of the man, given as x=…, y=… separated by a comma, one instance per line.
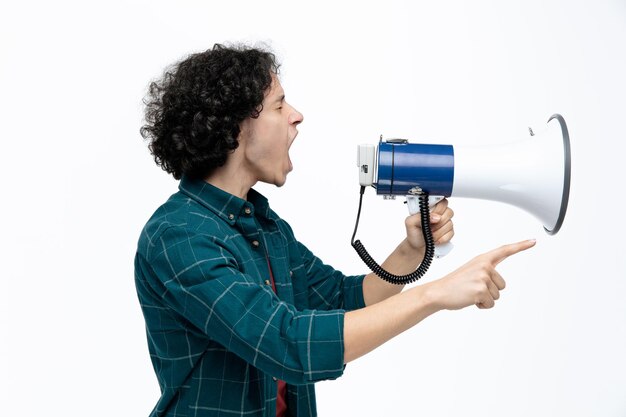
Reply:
x=241, y=318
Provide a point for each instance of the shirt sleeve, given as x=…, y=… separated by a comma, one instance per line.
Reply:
x=197, y=276
x=329, y=288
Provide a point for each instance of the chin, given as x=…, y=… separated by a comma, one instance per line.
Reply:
x=281, y=181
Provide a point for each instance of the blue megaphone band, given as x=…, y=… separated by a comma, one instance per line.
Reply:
x=403, y=166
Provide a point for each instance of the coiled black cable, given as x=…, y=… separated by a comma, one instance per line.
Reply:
x=428, y=254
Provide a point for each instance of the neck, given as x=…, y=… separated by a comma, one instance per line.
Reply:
x=232, y=178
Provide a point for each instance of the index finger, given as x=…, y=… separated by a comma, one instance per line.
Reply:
x=500, y=254
x=441, y=206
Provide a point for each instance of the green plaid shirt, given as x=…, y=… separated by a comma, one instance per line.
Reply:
x=218, y=336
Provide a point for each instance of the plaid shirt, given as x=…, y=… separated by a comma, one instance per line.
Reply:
x=218, y=336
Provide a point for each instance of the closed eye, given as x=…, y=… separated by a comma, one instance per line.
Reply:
x=280, y=102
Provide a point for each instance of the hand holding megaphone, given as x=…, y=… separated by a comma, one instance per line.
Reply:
x=412, y=202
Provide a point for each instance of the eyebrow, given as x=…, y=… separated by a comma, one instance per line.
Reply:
x=279, y=99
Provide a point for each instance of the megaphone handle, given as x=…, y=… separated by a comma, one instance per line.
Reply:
x=412, y=202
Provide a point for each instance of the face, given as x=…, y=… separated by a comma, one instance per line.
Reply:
x=265, y=141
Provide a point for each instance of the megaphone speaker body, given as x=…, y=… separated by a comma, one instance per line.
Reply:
x=532, y=174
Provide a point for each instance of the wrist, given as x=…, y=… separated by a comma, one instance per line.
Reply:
x=432, y=296
x=410, y=251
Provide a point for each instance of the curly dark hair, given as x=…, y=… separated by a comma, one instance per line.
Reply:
x=193, y=113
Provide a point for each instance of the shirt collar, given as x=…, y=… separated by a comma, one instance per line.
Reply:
x=225, y=205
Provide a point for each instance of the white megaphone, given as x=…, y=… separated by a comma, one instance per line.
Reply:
x=532, y=174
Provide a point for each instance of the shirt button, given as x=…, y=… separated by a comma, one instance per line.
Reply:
x=290, y=273
x=255, y=243
x=267, y=282
x=247, y=210
x=274, y=378
x=231, y=216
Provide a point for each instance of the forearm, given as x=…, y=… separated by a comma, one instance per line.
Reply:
x=403, y=260
x=475, y=283
x=370, y=327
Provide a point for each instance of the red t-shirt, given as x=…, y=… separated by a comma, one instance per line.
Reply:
x=281, y=399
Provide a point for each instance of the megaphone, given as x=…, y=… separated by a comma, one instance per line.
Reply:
x=533, y=174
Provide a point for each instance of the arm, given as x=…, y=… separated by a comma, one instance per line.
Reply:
x=477, y=282
x=409, y=253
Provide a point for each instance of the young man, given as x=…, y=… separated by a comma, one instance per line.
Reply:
x=241, y=318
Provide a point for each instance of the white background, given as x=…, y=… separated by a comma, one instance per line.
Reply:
x=78, y=184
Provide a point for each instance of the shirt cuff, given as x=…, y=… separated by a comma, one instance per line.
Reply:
x=323, y=349
x=353, y=293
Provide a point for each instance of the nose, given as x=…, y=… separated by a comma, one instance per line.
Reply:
x=295, y=118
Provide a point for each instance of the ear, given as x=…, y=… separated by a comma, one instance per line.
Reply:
x=245, y=131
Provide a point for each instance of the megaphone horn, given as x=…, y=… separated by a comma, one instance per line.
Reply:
x=532, y=174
